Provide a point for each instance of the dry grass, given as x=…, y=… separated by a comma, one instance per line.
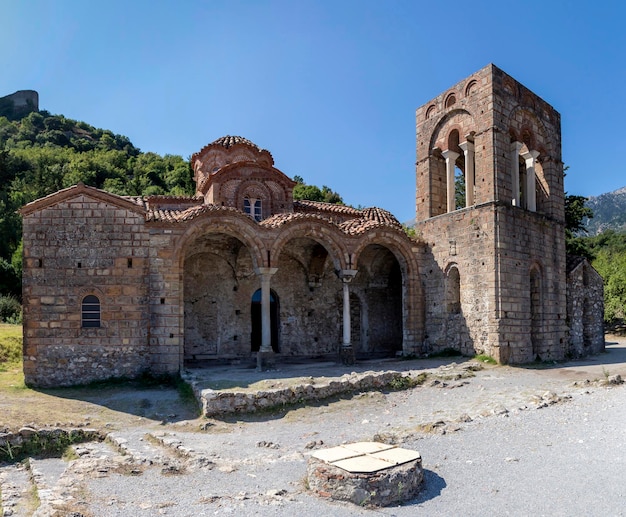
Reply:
x=104, y=406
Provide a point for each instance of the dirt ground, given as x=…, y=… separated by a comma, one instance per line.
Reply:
x=547, y=439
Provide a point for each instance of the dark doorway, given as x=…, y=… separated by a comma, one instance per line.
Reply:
x=255, y=313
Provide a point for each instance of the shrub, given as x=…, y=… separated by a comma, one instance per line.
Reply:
x=10, y=309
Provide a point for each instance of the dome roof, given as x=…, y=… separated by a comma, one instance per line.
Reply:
x=229, y=141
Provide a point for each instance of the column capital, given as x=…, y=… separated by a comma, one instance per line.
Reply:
x=467, y=146
x=448, y=154
x=347, y=275
x=530, y=155
x=261, y=271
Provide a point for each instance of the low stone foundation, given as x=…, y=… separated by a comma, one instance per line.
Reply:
x=32, y=442
x=383, y=476
x=219, y=402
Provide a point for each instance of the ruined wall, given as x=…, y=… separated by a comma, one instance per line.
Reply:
x=585, y=310
x=84, y=246
x=218, y=291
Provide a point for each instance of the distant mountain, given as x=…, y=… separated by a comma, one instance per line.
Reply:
x=609, y=212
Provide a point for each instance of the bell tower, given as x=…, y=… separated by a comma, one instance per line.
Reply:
x=490, y=206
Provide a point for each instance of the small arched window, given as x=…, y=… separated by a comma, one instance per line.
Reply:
x=90, y=312
x=253, y=208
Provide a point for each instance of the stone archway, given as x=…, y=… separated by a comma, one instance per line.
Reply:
x=379, y=285
x=308, y=286
x=219, y=280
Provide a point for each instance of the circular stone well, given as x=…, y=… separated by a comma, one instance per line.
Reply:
x=366, y=473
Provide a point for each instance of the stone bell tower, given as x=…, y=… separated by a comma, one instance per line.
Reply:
x=490, y=207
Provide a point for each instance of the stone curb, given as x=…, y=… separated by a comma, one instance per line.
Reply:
x=216, y=402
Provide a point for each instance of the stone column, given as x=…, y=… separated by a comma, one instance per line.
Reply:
x=347, y=352
x=266, y=322
x=450, y=157
x=530, y=158
x=468, y=151
x=515, y=149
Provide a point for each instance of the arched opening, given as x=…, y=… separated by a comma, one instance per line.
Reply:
x=218, y=282
x=522, y=185
x=379, y=286
x=308, y=287
x=535, y=313
x=254, y=208
x=453, y=291
x=256, y=318
x=460, y=199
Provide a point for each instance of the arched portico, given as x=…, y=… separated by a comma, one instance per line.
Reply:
x=308, y=286
x=388, y=285
x=218, y=254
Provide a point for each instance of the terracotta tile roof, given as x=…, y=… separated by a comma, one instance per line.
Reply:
x=277, y=220
x=381, y=216
x=229, y=141
x=304, y=205
x=178, y=216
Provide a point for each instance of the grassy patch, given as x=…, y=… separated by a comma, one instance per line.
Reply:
x=485, y=359
x=10, y=344
x=406, y=382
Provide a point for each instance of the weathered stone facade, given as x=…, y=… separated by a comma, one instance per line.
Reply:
x=115, y=286
x=585, y=307
x=493, y=268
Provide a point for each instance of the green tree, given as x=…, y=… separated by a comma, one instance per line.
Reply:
x=314, y=193
x=575, y=213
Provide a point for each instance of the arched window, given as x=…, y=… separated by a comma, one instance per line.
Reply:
x=90, y=312
x=253, y=207
x=453, y=291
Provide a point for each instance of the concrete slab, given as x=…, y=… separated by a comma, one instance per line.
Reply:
x=367, y=447
x=335, y=454
x=396, y=456
x=363, y=464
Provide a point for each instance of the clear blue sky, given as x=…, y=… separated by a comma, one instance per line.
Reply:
x=330, y=88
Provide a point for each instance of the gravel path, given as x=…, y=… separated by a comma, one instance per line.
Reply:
x=508, y=441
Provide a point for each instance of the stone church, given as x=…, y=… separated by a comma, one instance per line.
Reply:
x=117, y=286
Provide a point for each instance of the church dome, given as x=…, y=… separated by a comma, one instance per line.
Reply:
x=230, y=149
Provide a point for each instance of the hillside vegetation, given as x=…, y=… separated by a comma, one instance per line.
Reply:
x=42, y=153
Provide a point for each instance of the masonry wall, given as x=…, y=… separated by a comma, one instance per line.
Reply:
x=465, y=240
x=585, y=309
x=165, y=301
x=528, y=241
x=78, y=247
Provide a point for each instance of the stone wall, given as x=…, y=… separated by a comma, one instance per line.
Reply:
x=585, y=308
x=531, y=245
x=78, y=247
x=463, y=240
